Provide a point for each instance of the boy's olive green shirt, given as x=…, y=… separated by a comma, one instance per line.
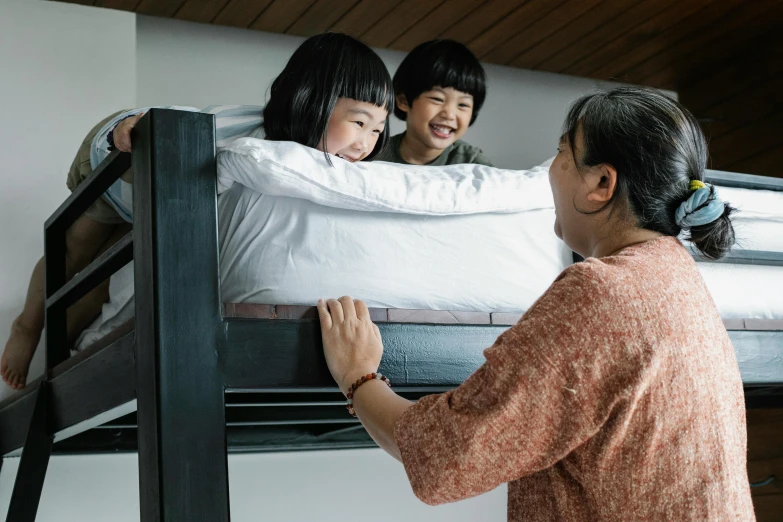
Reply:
x=457, y=153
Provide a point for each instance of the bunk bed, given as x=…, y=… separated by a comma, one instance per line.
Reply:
x=193, y=378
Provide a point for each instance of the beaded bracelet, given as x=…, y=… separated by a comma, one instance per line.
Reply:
x=359, y=382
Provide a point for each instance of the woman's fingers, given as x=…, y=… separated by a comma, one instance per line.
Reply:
x=349, y=310
x=362, y=312
x=336, y=310
x=324, y=316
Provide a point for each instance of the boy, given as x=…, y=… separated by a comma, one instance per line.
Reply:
x=440, y=88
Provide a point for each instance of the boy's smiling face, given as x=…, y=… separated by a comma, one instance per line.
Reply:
x=438, y=117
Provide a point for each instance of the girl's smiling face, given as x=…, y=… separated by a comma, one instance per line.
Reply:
x=354, y=128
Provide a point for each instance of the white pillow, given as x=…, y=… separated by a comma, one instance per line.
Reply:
x=279, y=168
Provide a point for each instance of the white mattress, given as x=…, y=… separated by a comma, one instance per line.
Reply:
x=745, y=291
x=419, y=245
x=758, y=224
x=279, y=250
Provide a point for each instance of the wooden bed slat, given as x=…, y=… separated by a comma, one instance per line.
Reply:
x=688, y=49
x=590, y=45
x=570, y=34
x=546, y=28
x=280, y=15
x=437, y=317
x=202, y=11
x=617, y=48
x=397, y=21
x=680, y=31
x=165, y=8
x=241, y=13
x=524, y=16
x=124, y=5
x=409, y=316
x=469, y=28
x=437, y=21
x=767, y=163
x=320, y=16
x=764, y=324
x=506, y=318
x=363, y=15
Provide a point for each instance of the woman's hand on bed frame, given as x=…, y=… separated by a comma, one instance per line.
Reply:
x=352, y=343
x=353, y=347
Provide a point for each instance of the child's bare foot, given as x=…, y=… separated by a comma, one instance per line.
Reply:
x=17, y=355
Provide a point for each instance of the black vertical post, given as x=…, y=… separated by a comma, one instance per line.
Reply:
x=56, y=333
x=31, y=473
x=35, y=459
x=181, y=411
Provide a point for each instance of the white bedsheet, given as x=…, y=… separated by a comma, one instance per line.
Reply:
x=293, y=230
x=449, y=239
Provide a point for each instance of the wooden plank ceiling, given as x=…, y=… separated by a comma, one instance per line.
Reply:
x=722, y=56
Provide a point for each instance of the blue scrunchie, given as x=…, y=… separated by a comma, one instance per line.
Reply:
x=687, y=217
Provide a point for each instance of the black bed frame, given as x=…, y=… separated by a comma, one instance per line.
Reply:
x=201, y=384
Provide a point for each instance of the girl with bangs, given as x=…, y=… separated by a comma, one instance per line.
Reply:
x=334, y=94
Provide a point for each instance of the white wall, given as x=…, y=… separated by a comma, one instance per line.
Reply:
x=295, y=487
x=66, y=66
x=63, y=68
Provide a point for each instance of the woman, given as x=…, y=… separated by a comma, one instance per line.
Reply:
x=617, y=396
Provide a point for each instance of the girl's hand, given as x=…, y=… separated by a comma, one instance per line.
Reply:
x=122, y=132
x=352, y=343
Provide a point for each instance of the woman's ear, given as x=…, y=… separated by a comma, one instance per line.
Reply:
x=402, y=103
x=604, y=183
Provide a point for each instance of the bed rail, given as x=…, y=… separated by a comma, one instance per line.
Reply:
x=59, y=294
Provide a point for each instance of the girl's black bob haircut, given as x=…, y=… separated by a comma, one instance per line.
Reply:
x=440, y=63
x=657, y=148
x=323, y=69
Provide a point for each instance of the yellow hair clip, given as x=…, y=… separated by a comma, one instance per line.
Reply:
x=696, y=185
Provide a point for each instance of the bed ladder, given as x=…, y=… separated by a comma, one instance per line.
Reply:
x=60, y=294
x=183, y=472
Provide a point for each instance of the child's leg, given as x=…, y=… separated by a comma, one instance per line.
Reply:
x=84, y=311
x=83, y=241
x=25, y=332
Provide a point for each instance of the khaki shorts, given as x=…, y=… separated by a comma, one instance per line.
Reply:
x=101, y=210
